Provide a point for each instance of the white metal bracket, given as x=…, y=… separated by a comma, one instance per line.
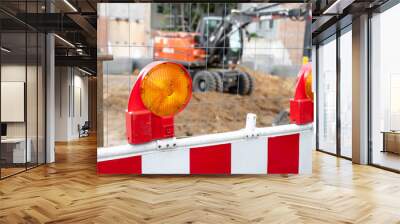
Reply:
x=250, y=129
x=169, y=143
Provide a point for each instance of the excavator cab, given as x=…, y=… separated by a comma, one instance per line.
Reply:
x=206, y=26
x=233, y=46
x=225, y=52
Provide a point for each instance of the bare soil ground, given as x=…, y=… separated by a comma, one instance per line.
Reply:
x=206, y=113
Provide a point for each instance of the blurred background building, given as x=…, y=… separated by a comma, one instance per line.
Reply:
x=272, y=46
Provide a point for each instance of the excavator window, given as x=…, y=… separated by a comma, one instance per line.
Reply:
x=234, y=45
x=235, y=40
x=208, y=25
x=212, y=24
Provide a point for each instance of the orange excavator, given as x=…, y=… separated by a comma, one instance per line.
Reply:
x=212, y=52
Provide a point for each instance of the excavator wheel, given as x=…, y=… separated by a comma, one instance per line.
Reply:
x=204, y=81
x=251, y=84
x=218, y=81
x=244, y=84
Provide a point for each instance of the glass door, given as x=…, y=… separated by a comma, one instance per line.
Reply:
x=14, y=155
x=22, y=90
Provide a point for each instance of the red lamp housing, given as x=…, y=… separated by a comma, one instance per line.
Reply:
x=162, y=90
x=302, y=106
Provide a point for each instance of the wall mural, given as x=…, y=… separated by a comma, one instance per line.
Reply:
x=164, y=88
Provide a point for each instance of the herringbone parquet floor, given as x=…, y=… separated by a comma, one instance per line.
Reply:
x=70, y=191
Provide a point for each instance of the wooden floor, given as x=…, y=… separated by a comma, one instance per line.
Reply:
x=70, y=191
x=5, y=172
x=387, y=159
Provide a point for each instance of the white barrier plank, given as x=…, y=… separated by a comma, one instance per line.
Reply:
x=305, y=153
x=166, y=162
x=249, y=156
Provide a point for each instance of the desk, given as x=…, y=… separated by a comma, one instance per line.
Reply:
x=391, y=141
x=13, y=150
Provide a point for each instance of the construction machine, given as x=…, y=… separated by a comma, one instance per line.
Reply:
x=212, y=52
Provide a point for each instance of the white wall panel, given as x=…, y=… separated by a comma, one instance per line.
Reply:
x=12, y=101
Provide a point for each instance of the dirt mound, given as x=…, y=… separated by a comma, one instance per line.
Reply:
x=213, y=112
x=206, y=113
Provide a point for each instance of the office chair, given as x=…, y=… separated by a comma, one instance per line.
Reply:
x=84, y=130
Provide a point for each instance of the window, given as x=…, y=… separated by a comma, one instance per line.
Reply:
x=334, y=102
x=327, y=96
x=346, y=94
x=385, y=89
x=22, y=76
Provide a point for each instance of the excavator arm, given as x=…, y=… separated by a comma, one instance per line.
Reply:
x=239, y=20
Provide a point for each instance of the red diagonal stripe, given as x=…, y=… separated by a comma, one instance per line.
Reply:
x=214, y=159
x=130, y=165
x=283, y=154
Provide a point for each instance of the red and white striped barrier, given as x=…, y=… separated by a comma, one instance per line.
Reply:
x=285, y=149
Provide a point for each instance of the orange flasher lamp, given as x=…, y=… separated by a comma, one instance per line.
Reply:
x=162, y=90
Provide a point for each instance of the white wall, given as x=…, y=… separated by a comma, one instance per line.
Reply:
x=12, y=73
x=17, y=73
x=274, y=51
x=61, y=103
x=71, y=87
x=80, y=94
x=33, y=126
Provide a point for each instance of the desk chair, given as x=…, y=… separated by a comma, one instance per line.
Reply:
x=84, y=130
